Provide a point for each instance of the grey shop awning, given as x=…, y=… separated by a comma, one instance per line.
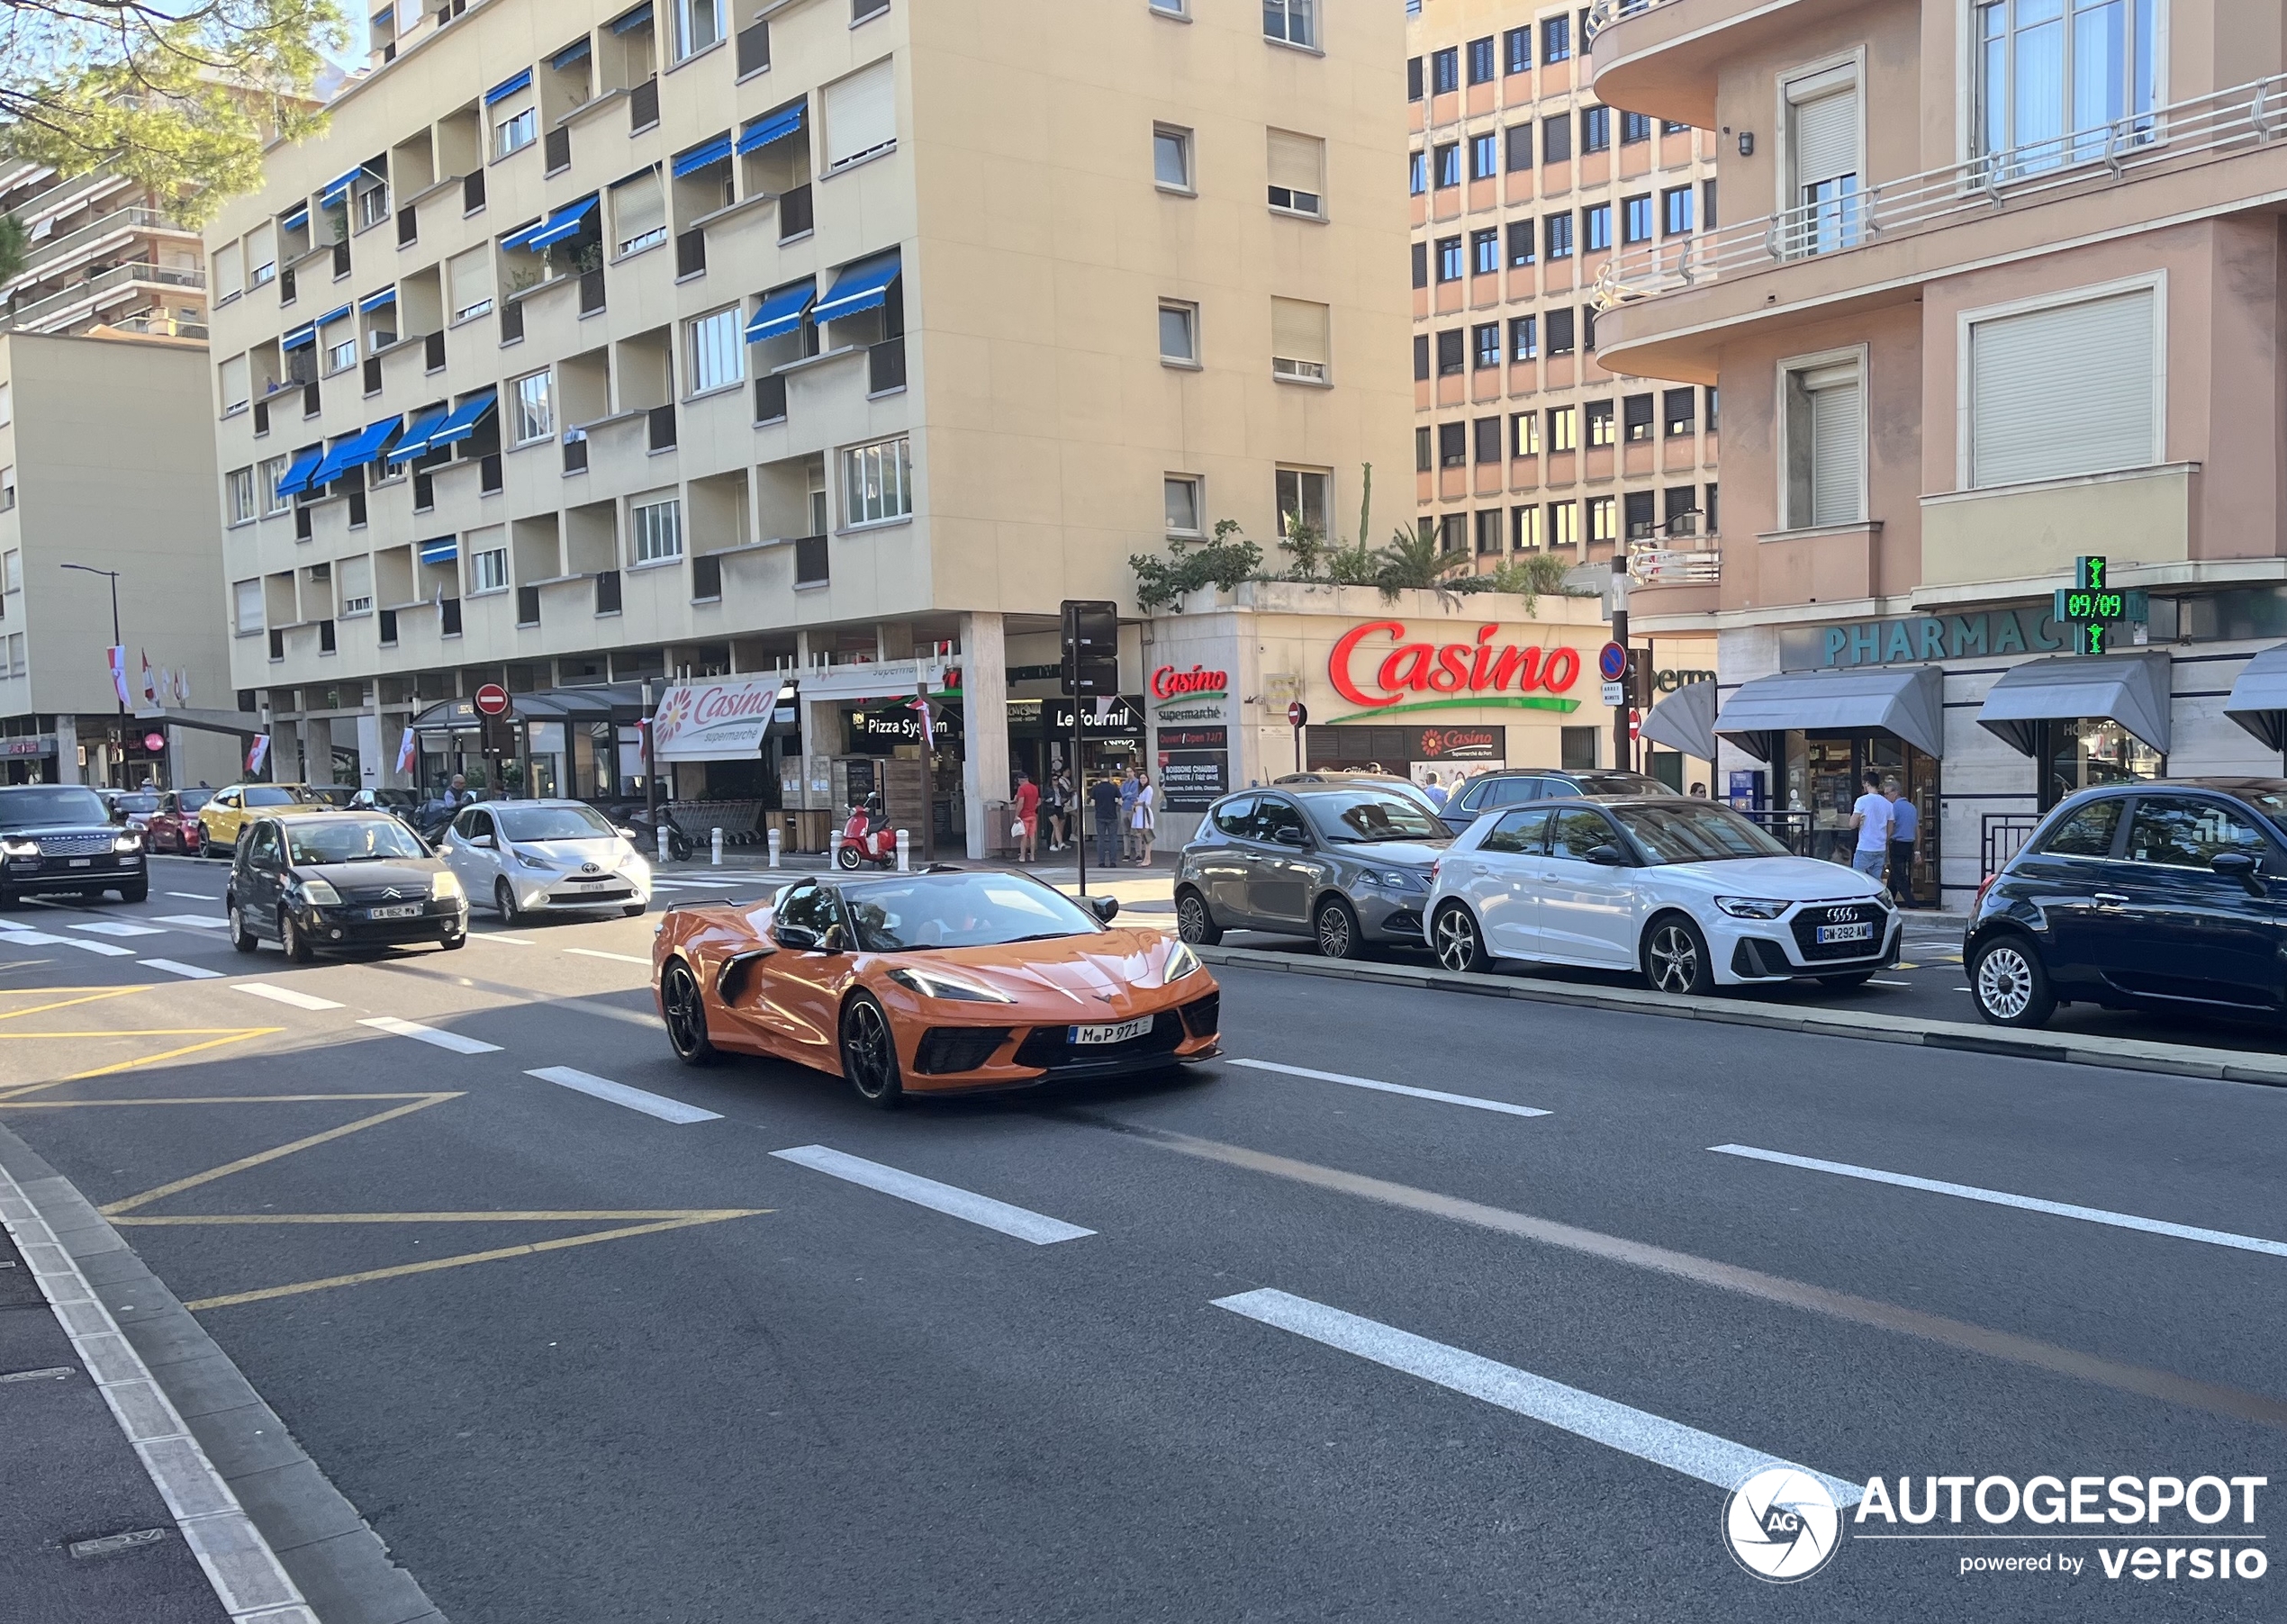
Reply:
x=2131, y=690
x=2258, y=701
x=1907, y=701
x=621, y=702
x=1685, y=720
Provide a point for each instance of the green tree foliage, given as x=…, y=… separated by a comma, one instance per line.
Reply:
x=1222, y=560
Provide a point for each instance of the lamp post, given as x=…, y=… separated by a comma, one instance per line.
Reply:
x=112, y=576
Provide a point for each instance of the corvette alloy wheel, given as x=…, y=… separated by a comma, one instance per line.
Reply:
x=870, y=1053
x=686, y=1012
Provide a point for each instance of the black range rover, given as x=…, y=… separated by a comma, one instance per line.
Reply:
x=60, y=838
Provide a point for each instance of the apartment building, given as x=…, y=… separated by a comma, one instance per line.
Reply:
x=2001, y=288
x=599, y=345
x=103, y=252
x=1524, y=185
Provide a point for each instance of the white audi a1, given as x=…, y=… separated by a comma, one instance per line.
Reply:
x=1687, y=892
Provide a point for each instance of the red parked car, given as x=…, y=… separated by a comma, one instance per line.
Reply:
x=173, y=827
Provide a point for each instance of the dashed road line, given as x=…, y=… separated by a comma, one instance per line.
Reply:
x=286, y=995
x=597, y=952
x=432, y=1035
x=174, y=967
x=112, y=927
x=195, y=921
x=191, y=895
x=1470, y=1100
x=619, y=1094
x=949, y=1199
x=23, y=938
x=496, y=936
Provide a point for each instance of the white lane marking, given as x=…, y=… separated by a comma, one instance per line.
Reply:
x=594, y=952
x=197, y=921
x=1873, y=982
x=1470, y=1100
x=286, y=995
x=452, y=1040
x=651, y=1104
x=496, y=936
x=1638, y=1432
x=103, y=948
x=2030, y=1203
x=111, y=927
x=949, y=1199
x=190, y=972
x=191, y=895
x=14, y=926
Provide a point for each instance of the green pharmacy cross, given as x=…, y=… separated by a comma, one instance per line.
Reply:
x=2095, y=612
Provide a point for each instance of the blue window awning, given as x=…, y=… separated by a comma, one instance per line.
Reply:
x=705, y=155
x=772, y=127
x=297, y=476
x=443, y=550
x=577, y=51
x=356, y=452
x=373, y=302
x=783, y=311
x=639, y=18
x=509, y=87
x=464, y=421
x=860, y=288
x=563, y=224
x=337, y=189
x=416, y=439
x=331, y=317
x=305, y=333
x=295, y=221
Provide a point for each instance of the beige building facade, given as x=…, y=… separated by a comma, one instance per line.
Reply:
x=2001, y=288
x=596, y=347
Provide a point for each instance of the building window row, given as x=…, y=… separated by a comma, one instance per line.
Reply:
x=1481, y=439
x=1489, y=247
x=1481, y=347
x=1301, y=338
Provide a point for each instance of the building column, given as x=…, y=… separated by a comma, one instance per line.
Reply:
x=984, y=716
x=68, y=750
x=372, y=765
x=814, y=757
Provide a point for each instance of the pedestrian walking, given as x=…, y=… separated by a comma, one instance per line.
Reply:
x=1905, y=824
x=1143, y=819
x=1435, y=791
x=1870, y=816
x=1028, y=829
x=1128, y=789
x=1060, y=810
x=1104, y=799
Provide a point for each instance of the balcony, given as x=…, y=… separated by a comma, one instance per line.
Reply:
x=607, y=593
x=885, y=366
x=85, y=298
x=121, y=223
x=796, y=214
x=810, y=561
x=1660, y=56
x=1676, y=573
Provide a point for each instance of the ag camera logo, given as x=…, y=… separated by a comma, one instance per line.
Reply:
x=1782, y=1525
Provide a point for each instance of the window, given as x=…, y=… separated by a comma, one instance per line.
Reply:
x=1417, y=173
x=1603, y=518
x=1517, y=140
x=1486, y=432
x=862, y=114
x=1481, y=61
x=246, y=598
x=2048, y=88
x=1595, y=130
x=1484, y=251
x=533, y=408
x=238, y=490
x=1413, y=78
x=717, y=347
x=1485, y=344
x=2069, y=389
x=699, y=23
x=1714, y=401
x=1307, y=494
x=1181, y=493
x=1670, y=127
x=233, y=375
x=1595, y=228
x=1451, y=351
x=638, y=213
x=262, y=254
x=1556, y=236
x=1420, y=357
x=1425, y=450
x=1298, y=340
x=1564, y=525
x=1419, y=253
x=469, y=278
x=267, y=477
x=1516, y=50
x=1449, y=259
x=516, y=125
x=230, y=272
x=1707, y=216
x=1525, y=528
x=1556, y=139
x=1489, y=531
x=372, y=202
x=1635, y=218
x=1678, y=410
x=1564, y=428
x=357, y=585
x=1447, y=161
x=1522, y=246
x=1524, y=433
x=2088, y=833
x=877, y=482
x=1180, y=333
x=2183, y=833
x=1294, y=21
x=657, y=529
x=7, y=405
x=1589, y=328
x=1635, y=418
x=488, y=569
x=1823, y=436
x=1170, y=8
x=1171, y=158
x=12, y=570
x=1485, y=156
x=1445, y=71
x=1600, y=425
x=1453, y=532
x=1822, y=157
x=16, y=653
x=1560, y=332
x=1708, y=525
x=339, y=341
x=1525, y=339
x=1676, y=212
x=1636, y=520
x=1452, y=445
x=1297, y=172
x=1634, y=127
x=1556, y=39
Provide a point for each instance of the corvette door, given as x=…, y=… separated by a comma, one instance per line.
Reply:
x=799, y=990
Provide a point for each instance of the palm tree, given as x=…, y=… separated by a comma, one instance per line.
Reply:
x=1415, y=558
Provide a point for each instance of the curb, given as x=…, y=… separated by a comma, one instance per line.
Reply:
x=2118, y=1054
x=278, y=1541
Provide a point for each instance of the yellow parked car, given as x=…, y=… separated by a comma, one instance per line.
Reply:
x=220, y=819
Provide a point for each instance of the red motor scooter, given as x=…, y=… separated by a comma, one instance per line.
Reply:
x=867, y=839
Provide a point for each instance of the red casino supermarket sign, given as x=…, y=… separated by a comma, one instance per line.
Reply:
x=1378, y=667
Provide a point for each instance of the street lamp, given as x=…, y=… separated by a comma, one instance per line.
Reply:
x=112, y=576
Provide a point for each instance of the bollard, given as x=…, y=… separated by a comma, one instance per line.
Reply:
x=905, y=852
x=663, y=845
x=718, y=847
x=775, y=836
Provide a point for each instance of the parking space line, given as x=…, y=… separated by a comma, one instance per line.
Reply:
x=619, y=1094
x=286, y=995
x=452, y=1040
x=1470, y=1100
x=173, y=967
x=597, y=952
x=1633, y=1431
x=949, y=1199
x=2030, y=1203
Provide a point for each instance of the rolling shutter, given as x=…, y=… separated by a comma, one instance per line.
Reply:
x=639, y=208
x=1825, y=129
x=1837, y=445
x=1297, y=162
x=2063, y=392
x=1299, y=334
x=860, y=114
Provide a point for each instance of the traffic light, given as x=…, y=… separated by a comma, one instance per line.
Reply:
x=1637, y=681
x=1091, y=646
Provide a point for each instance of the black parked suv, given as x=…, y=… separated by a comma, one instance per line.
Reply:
x=2167, y=895
x=62, y=839
x=1514, y=786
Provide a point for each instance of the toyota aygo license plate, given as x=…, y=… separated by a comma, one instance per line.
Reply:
x=1120, y=1033
x=1845, y=933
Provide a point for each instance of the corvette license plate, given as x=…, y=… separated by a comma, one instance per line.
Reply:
x=1845, y=933
x=1120, y=1033
x=408, y=910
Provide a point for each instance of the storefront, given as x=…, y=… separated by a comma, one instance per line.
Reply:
x=582, y=744
x=860, y=730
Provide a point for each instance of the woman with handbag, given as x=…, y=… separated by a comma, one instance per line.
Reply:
x=1027, y=822
x=1144, y=822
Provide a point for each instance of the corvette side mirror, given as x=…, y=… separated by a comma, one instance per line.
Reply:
x=800, y=938
x=1104, y=908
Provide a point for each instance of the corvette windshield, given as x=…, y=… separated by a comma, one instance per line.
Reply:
x=1372, y=814
x=1694, y=831
x=972, y=910
x=552, y=823
x=367, y=840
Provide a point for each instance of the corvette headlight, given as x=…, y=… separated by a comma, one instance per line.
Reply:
x=951, y=989
x=319, y=894
x=1181, y=963
x=448, y=888
x=1752, y=907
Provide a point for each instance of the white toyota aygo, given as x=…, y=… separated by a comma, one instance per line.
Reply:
x=1687, y=892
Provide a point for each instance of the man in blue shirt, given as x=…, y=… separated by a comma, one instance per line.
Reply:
x=1435, y=791
x=1906, y=823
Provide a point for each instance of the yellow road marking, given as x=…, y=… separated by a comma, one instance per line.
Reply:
x=150, y=1032
x=695, y=1215
x=95, y=994
x=366, y=1277
x=255, y=1160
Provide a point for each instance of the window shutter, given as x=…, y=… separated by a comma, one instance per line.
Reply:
x=638, y=206
x=2057, y=392
x=1298, y=331
x=860, y=114
x=249, y=606
x=1297, y=162
x=470, y=275
x=1837, y=447
x=234, y=388
x=229, y=270
x=357, y=577
x=262, y=247
x=1826, y=137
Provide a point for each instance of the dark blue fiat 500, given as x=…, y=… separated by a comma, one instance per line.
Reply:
x=2165, y=894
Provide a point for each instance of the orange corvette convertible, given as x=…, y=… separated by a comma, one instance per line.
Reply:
x=942, y=982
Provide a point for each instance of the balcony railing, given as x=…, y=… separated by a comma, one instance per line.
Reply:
x=2224, y=124
x=662, y=428
x=607, y=593
x=135, y=272
x=1674, y=561
x=117, y=221
x=885, y=366
x=796, y=214
x=810, y=561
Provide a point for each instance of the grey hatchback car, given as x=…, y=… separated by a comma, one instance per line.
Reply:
x=1347, y=862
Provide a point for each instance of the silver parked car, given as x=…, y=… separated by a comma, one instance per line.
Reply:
x=1348, y=862
x=544, y=856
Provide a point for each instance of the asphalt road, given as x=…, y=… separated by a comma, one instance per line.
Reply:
x=1327, y=1351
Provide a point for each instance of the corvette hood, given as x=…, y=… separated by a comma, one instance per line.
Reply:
x=1069, y=977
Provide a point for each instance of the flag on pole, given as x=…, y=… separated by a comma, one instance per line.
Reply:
x=118, y=657
x=408, y=747
x=150, y=690
x=920, y=703
x=259, y=755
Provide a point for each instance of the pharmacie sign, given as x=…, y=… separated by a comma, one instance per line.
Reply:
x=1385, y=669
x=2031, y=629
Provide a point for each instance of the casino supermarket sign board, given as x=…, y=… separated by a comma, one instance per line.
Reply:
x=1383, y=670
